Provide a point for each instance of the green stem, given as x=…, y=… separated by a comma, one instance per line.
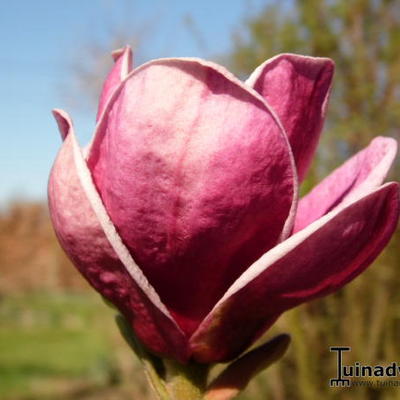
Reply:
x=148, y=361
x=186, y=382
x=156, y=382
x=169, y=379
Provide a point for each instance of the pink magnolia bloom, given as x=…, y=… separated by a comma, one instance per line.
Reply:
x=183, y=211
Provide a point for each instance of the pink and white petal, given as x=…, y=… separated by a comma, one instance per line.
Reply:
x=64, y=122
x=297, y=88
x=90, y=240
x=312, y=263
x=356, y=177
x=198, y=177
x=120, y=70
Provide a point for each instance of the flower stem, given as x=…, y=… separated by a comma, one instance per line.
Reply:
x=169, y=379
x=186, y=382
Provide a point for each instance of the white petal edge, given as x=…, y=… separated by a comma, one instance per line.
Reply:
x=273, y=255
x=252, y=79
x=378, y=172
x=126, y=53
x=373, y=180
x=106, y=224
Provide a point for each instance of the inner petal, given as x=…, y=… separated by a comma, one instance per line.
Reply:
x=197, y=177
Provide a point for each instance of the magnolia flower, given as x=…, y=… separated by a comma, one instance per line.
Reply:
x=183, y=211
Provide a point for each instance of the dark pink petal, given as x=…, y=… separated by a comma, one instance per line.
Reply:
x=88, y=237
x=297, y=87
x=120, y=70
x=312, y=263
x=356, y=177
x=197, y=176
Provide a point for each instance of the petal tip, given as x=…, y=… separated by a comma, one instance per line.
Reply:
x=116, y=54
x=63, y=121
x=387, y=141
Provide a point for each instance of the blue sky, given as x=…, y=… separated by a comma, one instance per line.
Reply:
x=41, y=39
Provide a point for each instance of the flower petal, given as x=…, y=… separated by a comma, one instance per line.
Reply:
x=120, y=70
x=95, y=248
x=312, y=263
x=297, y=88
x=238, y=374
x=356, y=177
x=64, y=122
x=197, y=176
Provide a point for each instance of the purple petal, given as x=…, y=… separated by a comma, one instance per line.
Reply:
x=312, y=263
x=356, y=177
x=120, y=70
x=297, y=88
x=197, y=176
x=88, y=237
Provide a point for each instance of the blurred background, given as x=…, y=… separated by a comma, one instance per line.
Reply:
x=58, y=340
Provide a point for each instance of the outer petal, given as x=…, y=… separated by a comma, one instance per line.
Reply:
x=120, y=70
x=356, y=177
x=198, y=177
x=96, y=250
x=312, y=263
x=297, y=87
